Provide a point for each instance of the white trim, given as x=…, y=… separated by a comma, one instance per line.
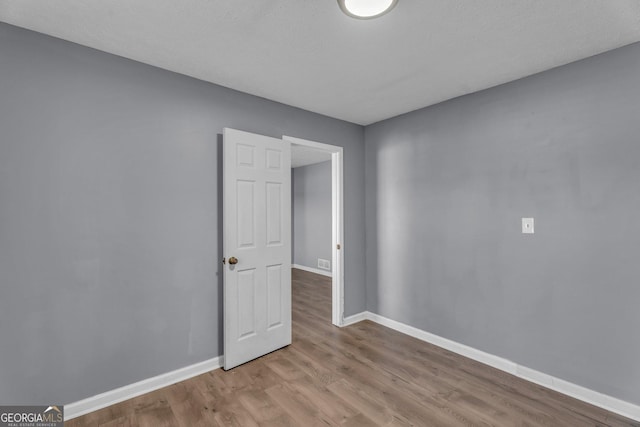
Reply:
x=470, y=352
x=355, y=318
x=610, y=403
x=592, y=397
x=130, y=391
x=312, y=144
x=337, y=221
x=337, y=224
x=312, y=270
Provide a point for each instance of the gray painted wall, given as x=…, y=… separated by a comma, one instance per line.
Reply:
x=110, y=215
x=110, y=218
x=312, y=214
x=447, y=187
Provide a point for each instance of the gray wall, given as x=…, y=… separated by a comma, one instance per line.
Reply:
x=110, y=218
x=312, y=214
x=447, y=187
x=110, y=215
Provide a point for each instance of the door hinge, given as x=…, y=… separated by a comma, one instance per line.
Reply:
x=338, y=246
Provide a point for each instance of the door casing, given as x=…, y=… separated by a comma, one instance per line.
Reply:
x=337, y=221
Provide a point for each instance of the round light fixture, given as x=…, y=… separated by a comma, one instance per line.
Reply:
x=366, y=9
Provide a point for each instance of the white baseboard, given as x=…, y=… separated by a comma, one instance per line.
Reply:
x=130, y=391
x=354, y=319
x=311, y=270
x=592, y=397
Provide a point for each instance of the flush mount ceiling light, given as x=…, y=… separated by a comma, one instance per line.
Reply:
x=366, y=9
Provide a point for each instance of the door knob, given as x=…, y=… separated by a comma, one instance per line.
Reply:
x=233, y=260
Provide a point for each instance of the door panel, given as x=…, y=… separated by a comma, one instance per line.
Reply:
x=274, y=213
x=257, y=218
x=274, y=296
x=246, y=213
x=246, y=310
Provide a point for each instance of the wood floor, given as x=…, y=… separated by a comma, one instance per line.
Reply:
x=361, y=375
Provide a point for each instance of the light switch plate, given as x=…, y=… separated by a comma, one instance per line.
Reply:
x=527, y=225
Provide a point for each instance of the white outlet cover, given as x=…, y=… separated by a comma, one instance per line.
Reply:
x=324, y=264
x=527, y=225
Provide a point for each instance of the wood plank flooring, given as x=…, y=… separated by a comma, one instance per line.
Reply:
x=361, y=375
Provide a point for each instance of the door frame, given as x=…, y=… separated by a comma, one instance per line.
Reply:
x=337, y=224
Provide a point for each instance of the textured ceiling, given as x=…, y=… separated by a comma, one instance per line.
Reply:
x=307, y=53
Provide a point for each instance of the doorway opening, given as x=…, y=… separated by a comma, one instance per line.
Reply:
x=305, y=152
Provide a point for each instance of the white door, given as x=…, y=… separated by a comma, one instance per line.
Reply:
x=257, y=246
